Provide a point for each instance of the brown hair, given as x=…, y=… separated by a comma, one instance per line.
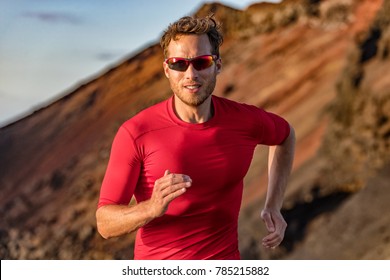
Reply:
x=191, y=25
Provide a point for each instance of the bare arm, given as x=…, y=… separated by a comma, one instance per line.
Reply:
x=279, y=167
x=116, y=220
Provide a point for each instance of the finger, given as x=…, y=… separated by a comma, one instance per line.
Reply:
x=172, y=179
x=167, y=172
x=271, y=245
x=272, y=239
x=174, y=195
x=275, y=238
x=174, y=188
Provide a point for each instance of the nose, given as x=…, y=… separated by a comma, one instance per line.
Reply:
x=191, y=73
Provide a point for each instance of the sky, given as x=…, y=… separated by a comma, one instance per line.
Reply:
x=49, y=47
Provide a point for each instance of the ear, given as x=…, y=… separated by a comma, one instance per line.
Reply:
x=218, y=63
x=166, y=69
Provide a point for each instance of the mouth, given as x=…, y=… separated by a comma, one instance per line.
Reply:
x=193, y=88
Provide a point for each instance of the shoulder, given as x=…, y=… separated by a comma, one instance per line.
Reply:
x=149, y=119
x=269, y=127
x=236, y=109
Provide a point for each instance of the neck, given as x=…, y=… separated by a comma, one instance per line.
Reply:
x=194, y=114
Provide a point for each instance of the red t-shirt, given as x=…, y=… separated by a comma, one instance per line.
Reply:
x=201, y=223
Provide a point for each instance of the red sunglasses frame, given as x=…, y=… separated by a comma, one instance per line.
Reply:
x=189, y=61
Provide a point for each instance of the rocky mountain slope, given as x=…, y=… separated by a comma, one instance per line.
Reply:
x=323, y=65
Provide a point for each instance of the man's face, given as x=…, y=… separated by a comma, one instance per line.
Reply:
x=192, y=87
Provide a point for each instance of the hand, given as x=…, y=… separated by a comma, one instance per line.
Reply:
x=276, y=226
x=166, y=189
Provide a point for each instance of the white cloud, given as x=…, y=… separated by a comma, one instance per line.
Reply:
x=53, y=17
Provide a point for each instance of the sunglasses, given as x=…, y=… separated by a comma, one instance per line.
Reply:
x=199, y=63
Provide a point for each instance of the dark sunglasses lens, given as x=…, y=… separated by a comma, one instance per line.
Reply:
x=178, y=64
x=202, y=62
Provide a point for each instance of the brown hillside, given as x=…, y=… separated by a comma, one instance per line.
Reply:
x=323, y=65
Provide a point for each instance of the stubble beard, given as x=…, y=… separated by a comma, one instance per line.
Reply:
x=197, y=99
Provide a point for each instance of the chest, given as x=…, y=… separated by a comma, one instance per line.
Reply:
x=222, y=155
x=216, y=160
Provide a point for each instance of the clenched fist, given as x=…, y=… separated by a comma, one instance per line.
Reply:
x=166, y=189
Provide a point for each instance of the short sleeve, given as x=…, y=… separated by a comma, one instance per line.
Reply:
x=273, y=128
x=122, y=171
